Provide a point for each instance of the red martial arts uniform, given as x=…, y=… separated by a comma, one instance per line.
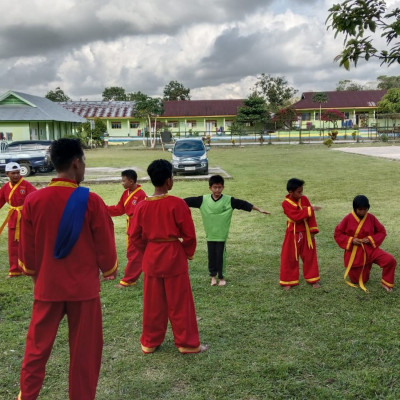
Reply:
x=299, y=242
x=358, y=259
x=67, y=285
x=163, y=230
x=15, y=196
x=127, y=205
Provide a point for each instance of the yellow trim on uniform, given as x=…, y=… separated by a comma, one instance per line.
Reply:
x=349, y=242
x=189, y=349
x=19, y=396
x=63, y=183
x=123, y=283
x=149, y=350
x=353, y=254
x=372, y=241
x=158, y=197
x=112, y=270
x=387, y=283
x=15, y=274
x=313, y=279
x=288, y=283
x=26, y=270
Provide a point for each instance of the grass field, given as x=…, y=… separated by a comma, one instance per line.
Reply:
x=335, y=342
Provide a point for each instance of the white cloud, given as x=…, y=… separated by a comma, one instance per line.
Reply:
x=214, y=47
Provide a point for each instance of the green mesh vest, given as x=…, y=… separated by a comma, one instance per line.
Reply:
x=217, y=217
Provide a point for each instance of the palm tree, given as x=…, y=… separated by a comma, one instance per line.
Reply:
x=320, y=97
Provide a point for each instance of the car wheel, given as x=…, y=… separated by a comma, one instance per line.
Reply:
x=25, y=169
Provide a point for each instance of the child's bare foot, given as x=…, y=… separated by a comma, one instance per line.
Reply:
x=388, y=289
x=316, y=285
x=213, y=281
x=222, y=282
x=286, y=287
x=120, y=286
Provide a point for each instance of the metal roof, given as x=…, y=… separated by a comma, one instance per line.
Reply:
x=35, y=108
x=201, y=108
x=342, y=99
x=100, y=109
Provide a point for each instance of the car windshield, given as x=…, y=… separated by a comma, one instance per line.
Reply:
x=192, y=145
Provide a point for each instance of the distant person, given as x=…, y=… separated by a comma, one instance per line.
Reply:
x=67, y=238
x=163, y=231
x=131, y=197
x=216, y=211
x=360, y=234
x=14, y=193
x=299, y=239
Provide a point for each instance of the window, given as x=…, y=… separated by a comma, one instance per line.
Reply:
x=306, y=116
x=251, y=123
x=115, y=125
x=191, y=124
x=172, y=124
x=346, y=115
x=134, y=125
x=317, y=116
x=228, y=123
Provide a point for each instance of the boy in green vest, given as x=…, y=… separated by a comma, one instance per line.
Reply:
x=216, y=212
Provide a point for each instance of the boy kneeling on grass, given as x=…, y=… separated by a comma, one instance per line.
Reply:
x=360, y=234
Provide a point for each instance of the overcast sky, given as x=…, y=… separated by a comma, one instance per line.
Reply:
x=216, y=48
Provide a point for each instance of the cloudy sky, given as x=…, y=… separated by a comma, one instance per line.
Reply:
x=216, y=48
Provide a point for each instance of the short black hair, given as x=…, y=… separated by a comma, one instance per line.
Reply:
x=130, y=174
x=159, y=171
x=64, y=151
x=216, y=179
x=293, y=184
x=360, y=201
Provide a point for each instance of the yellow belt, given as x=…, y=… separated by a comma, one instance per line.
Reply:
x=18, y=226
x=308, y=234
x=350, y=264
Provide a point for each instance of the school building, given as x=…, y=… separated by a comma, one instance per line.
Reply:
x=27, y=117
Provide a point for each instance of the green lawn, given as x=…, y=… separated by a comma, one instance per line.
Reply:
x=336, y=342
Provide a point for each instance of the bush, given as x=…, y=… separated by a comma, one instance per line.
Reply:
x=384, y=137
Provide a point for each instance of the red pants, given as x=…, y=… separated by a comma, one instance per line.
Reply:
x=85, y=344
x=14, y=270
x=385, y=260
x=133, y=267
x=289, y=275
x=169, y=298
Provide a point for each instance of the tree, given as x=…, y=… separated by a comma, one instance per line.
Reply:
x=390, y=103
x=388, y=82
x=92, y=132
x=357, y=20
x=320, y=97
x=285, y=117
x=57, y=95
x=176, y=91
x=149, y=108
x=114, y=93
x=275, y=91
x=347, y=85
x=332, y=116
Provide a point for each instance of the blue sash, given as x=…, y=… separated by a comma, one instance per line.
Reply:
x=71, y=222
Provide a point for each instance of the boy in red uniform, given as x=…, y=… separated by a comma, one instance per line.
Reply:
x=14, y=193
x=163, y=231
x=360, y=234
x=131, y=196
x=67, y=236
x=299, y=238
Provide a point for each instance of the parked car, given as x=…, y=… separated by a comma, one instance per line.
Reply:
x=32, y=155
x=189, y=156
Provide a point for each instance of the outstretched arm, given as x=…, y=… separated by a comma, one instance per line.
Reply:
x=260, y=210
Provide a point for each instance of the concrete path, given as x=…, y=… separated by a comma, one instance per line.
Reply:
x=391, y=152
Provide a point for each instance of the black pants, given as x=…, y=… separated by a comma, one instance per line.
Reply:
x=216, y=258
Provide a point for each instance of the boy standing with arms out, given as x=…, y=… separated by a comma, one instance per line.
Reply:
x=67, y=237
x=299, y=238
x=360, y=234
x=14, y=193
x=132, y=195
x=163, y=231
x=216, y=212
